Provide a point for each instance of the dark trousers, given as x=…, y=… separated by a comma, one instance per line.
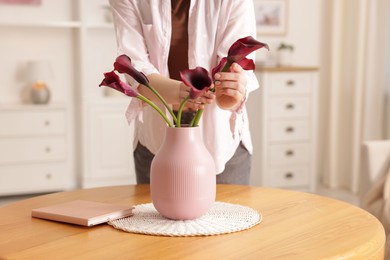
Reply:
x=237, y=169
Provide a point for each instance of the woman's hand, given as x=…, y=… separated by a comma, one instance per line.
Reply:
x=198, y=103
x=230, y=87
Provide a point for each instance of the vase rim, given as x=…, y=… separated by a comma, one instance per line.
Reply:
x=185, y=126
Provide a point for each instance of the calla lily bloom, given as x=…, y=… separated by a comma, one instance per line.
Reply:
x=242, y=47
x=236, y=53
x=123, y=64
x=197, y=79
x=112, y=80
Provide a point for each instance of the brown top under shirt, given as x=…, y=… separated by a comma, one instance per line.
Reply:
x=178, y=53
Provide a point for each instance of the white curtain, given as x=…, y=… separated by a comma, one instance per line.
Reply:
x=387, y=79
x=352, y=86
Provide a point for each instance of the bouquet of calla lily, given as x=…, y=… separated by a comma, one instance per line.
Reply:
x=198, y=79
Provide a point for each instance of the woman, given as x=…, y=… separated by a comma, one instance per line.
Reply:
x=163, y=37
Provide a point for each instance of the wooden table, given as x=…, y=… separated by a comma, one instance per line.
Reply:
x=295, y=225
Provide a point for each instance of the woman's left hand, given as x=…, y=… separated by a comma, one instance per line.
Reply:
x=230, y=87
x=200, y=102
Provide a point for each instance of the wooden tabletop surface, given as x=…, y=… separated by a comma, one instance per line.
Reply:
x=295, y=225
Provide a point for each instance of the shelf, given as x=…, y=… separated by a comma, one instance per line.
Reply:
x=100, y=26
x=18, y=106
x=110, y=101
x=286, y=68
x=56, y=24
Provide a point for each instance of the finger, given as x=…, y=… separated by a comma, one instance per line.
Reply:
x=236, y=68
x=207, y=97
x=227, y=76
x=234, y=73
x=231, y=92
x=194, y=105
x=230, y=85
x=204, y=101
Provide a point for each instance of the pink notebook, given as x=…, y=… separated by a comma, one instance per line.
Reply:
x=82, y=212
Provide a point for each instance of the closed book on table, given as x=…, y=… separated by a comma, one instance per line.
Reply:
x=82, y=212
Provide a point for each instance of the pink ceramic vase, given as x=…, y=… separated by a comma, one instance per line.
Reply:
x=183, y=177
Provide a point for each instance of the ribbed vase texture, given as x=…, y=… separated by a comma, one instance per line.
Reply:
x=183, y=177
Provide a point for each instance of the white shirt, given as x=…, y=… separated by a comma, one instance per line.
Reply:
x=143, y=30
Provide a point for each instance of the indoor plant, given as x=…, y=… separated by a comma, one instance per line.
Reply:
x=285, y=54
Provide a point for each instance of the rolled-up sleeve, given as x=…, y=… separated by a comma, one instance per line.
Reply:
x=129, y=29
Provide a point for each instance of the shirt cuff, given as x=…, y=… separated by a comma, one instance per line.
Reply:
x=239, y=109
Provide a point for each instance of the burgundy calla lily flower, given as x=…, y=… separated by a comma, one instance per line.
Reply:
x=245, y=63
x=242, y=47
x=197, y=79
x=112, y=80
x=123, y=64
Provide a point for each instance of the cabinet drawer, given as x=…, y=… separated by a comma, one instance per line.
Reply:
x=29, y=149
x=17, y=179
x=289, y=130
x=288, y=177
x=282, y=154
x=16, y=123
x=289, y=107
x=290, y=83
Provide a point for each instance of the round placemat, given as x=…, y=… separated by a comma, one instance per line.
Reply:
x=222, y=218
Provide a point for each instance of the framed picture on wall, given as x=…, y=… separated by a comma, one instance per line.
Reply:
x=271, y=17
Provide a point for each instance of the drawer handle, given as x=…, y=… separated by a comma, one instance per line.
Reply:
x=48, y=149
x=289, y=106
x=289, y=153
x=49, y=176
x=290, y=83
x=289, y=175
x=47, y=122
x=289, y=129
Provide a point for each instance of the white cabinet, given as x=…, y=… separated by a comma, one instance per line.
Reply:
x=106, y=138
x=108, y=154
x=283, y=121
x=34, y=149
x=90, y=141
x=37, y=141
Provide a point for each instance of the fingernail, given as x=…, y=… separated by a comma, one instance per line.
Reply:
x=217, y=76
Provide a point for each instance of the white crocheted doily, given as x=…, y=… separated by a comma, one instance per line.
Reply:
x=222, y=218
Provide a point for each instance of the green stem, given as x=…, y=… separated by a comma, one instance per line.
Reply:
x=227, y=65
x=195, y=120
x=164, y=102
x=179, y=112
x=156, y=108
